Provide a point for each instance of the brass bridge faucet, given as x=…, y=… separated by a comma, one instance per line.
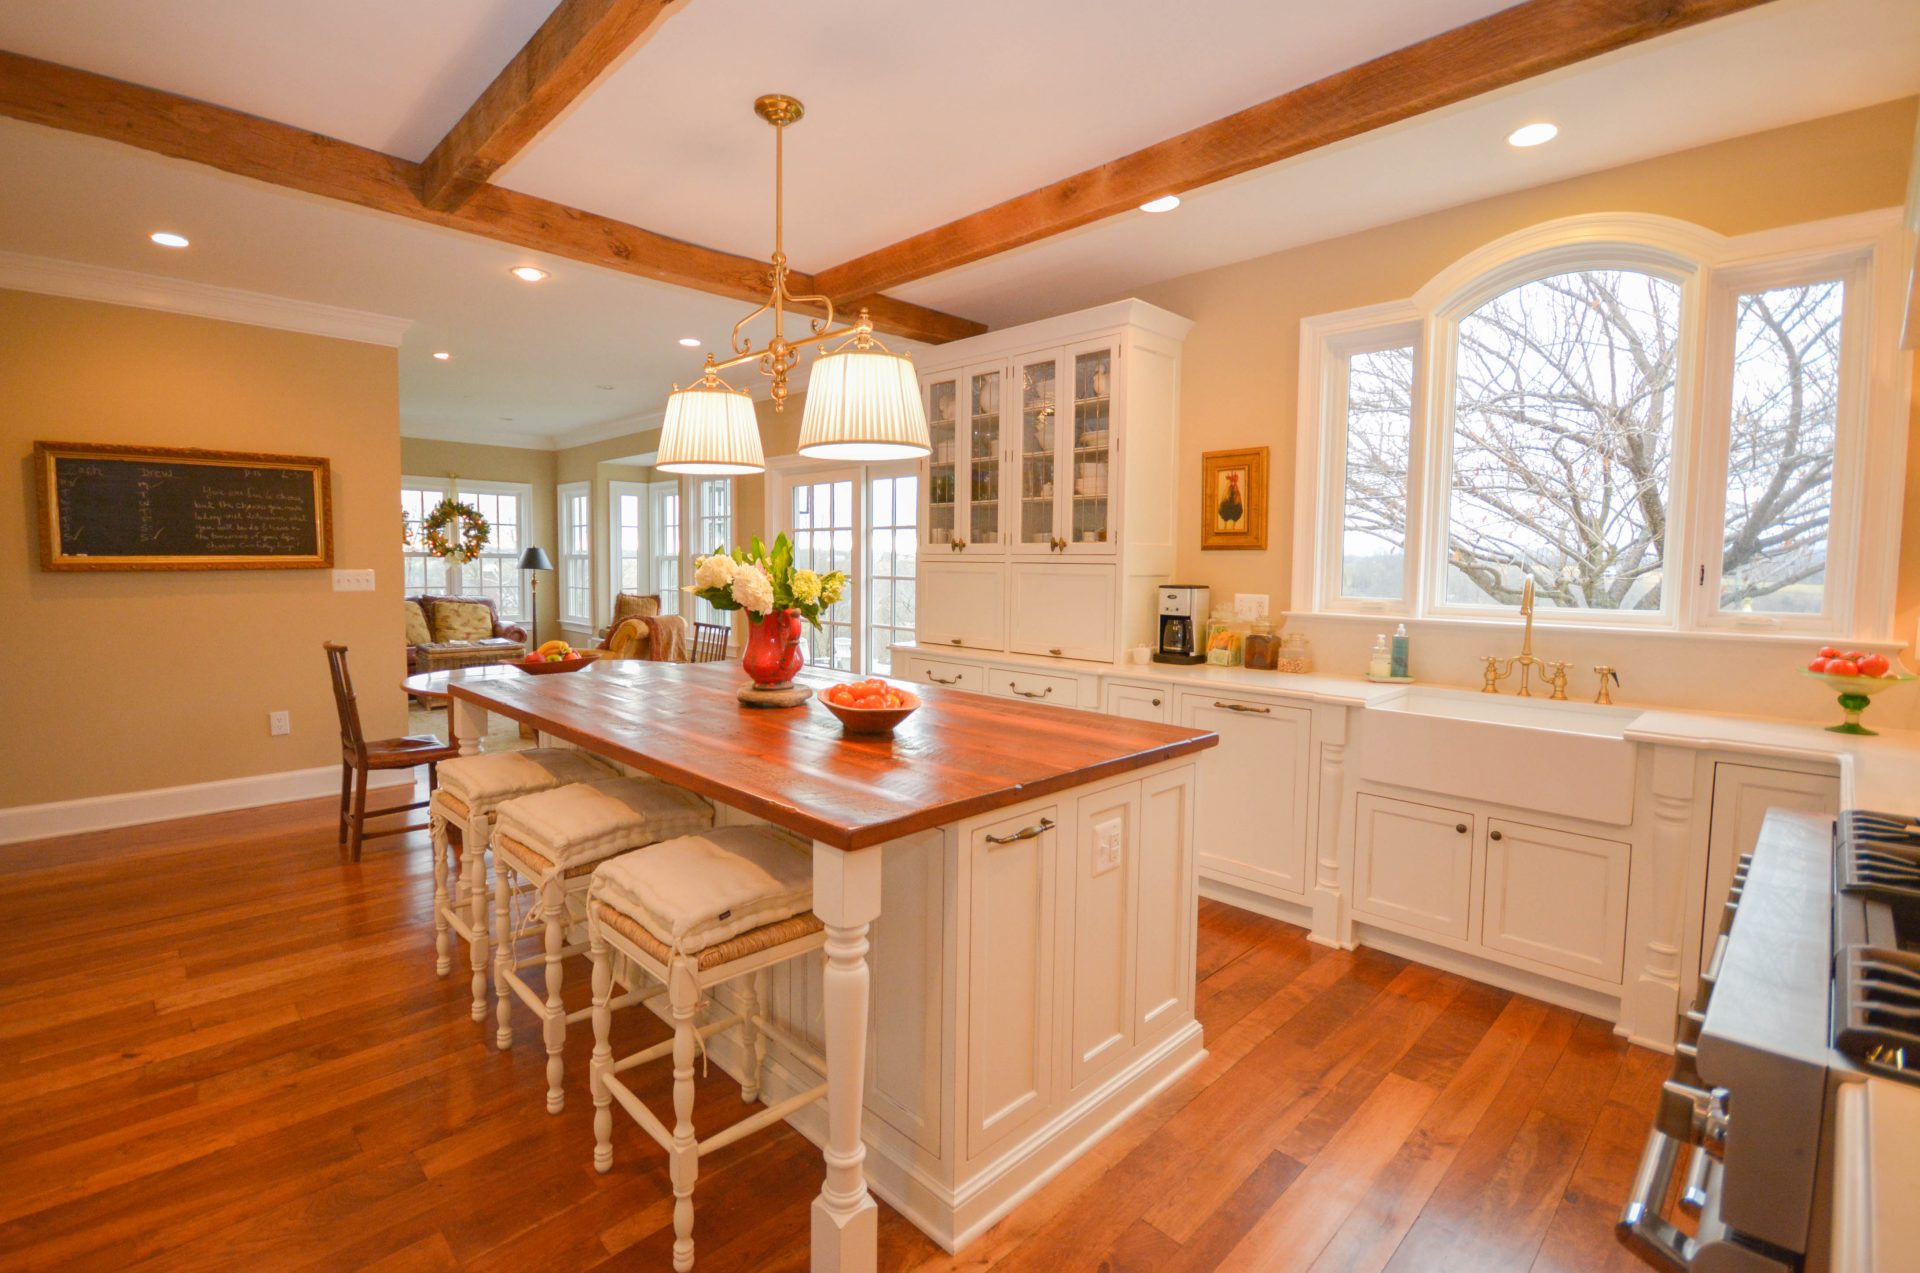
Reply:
x=1552, y=675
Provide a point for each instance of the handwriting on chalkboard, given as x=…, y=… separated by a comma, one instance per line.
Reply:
x=181, y=510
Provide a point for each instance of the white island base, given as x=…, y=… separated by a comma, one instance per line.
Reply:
x=1032, y=985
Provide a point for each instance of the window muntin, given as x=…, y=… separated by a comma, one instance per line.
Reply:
x=893, y=509
x=665, y=545
x=495, y=572
x=822, y=514
x=627, y=535
x=422, y=572
x=1376, y=453
x=576, y=560
x=713, y=496
x=1562, y=443
x=1782, y=434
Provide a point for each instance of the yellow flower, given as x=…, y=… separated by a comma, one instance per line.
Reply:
x=806, y=586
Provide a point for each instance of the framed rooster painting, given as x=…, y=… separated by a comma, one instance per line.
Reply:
x=1233, y=499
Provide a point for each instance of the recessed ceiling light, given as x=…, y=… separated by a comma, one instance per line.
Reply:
x=1533, y=134
x=603, y=386
x=691, y=342
x=528, y=273
x=1165, y=203
x=168, y=239
x=442, y=355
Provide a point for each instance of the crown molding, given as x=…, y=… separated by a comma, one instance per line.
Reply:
x=606, y=430
x=82, y=281
x=477, y=434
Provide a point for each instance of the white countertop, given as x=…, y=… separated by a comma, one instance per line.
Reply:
x=1353, y=690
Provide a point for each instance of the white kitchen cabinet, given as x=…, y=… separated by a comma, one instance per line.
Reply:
x=1061, y=689
x=955, y=676
x=1102, y=882
x=1413, y=865
x=1253, y=822
x=962, y=604
x=1139, y=702
x=1061, y=609
x=1556, y=898
x=1742, y=794
x=1011, y=967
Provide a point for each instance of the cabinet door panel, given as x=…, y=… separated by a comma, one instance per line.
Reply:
x=904, y=1031
x=1036, y=456
x=1102, y=877
x=1556, y=897
x=962, y=603
x=1139, y=702
x=1742, y=794
x=1163, y=982
x=941, y=473
x=1062, y=610
x=984, y=533
x=1092, y=447
x=1413, y=863
x=1010, y=1009
x=1251, y=813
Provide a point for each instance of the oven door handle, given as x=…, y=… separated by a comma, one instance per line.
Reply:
x=1642, y=1229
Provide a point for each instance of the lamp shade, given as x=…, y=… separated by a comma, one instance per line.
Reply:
x=710, y=429
x=864, y=404
x=535, y=559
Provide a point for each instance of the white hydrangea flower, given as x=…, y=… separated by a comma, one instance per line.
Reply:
x=753, y=589
x=716, y=571
x=806, y=586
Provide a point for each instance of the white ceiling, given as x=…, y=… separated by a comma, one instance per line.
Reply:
x=915, y=116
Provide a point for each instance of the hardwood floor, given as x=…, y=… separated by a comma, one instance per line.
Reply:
x=223, y=1048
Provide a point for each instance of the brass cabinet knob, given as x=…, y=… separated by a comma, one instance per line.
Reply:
x=1495, y=835
x=1460, y=828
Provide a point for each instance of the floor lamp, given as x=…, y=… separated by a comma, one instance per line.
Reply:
x=535, y=559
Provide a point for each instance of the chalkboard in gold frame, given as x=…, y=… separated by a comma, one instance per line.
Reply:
x=175, y=508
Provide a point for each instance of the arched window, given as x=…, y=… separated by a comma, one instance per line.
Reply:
x=1654, y=425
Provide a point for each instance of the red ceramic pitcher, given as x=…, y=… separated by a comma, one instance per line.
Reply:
x=774, y=656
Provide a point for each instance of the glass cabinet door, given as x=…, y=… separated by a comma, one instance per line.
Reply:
x=982, y=532
x=1090, y=525
x=943, y=462
x=1037, y=455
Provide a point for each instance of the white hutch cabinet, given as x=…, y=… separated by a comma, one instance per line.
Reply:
x=1047, y=504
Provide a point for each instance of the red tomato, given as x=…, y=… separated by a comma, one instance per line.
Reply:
x=1853, y=656
x=1842, y=667
x=1828, y=652
x=870, y=701
x=1874, y=665
x=1818, y=665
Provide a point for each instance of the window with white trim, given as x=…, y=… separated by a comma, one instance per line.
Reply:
x=663, y=535
x=627, y=523
x=1661, y=433
x=495, y=572
x=823, y=513
x=713, y=496
x=576, y=555
x=863, y=520
x=893, y=540
x=422, y=572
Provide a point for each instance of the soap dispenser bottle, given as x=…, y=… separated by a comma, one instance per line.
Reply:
x=1380, y=664
x=1399, y=656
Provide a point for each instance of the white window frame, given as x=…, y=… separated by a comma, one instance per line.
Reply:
x=868, y=645
x=713, y=532
x=786, y=472
x=414, y=551
x=510, y=562
x=657, y=497
x=575, y=560
x=616, y=557
x=1711, y=269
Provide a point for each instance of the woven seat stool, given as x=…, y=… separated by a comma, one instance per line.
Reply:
x=696, y=913
x=550, y=842
x=471, y=789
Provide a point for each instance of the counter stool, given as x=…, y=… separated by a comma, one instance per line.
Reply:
x=697, y=912
x=552, y=840
x=471, y=788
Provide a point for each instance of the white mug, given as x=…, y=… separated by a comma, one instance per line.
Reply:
x=1141, y=654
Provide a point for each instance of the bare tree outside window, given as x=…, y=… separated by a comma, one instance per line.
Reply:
x=1786, y=402
x=1373, y=542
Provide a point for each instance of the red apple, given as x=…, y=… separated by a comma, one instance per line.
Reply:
x=1874, y=665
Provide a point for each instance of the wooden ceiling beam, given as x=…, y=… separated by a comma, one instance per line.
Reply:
x=1503, y=48
x=577, y=43
x=278, y=154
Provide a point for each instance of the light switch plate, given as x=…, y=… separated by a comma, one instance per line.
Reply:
x=353, y=581
x=1249, y=605
x=279, y=723
x=1106, y=849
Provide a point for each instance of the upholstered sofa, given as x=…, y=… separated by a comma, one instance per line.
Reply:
x=436, y=633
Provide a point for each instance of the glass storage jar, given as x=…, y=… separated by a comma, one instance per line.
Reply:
x=1295, y=655
x=1225, y=636
x=1262, y=649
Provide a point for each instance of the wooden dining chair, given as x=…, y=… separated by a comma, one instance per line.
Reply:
x=709, y=643
x=359, y=757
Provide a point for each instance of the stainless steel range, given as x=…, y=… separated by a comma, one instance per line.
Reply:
x=1814, y=981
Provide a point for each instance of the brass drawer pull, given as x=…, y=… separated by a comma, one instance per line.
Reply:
x=1054, y=650
x=943, y=680
x=1029, y=693
x=1242, y=707
x=953, y=640
x=1039, y=828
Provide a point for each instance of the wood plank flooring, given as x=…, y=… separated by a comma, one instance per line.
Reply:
x=223, y=1048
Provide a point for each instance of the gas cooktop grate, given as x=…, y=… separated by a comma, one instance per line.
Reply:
x=1878, y=854
x=1877, y=1010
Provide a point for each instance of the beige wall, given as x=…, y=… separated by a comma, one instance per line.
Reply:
x=129, y=681
x=430, y=457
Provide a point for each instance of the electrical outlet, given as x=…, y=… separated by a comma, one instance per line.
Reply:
x=353, y=581
x=279, y=723
x=1106, y=849
x=1249, y=605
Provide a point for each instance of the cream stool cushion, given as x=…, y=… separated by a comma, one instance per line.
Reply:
x=701, y=890
x=481, y=783
x=570, y=826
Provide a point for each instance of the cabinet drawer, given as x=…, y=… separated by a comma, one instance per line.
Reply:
x=1413, y=864
x=1036, y=687
x=958, y=676
x=1556, y=897
x=1139, y=702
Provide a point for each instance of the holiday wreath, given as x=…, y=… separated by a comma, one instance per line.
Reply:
x=473, y=532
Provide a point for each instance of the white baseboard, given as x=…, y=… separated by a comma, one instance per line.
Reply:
x=132, y=808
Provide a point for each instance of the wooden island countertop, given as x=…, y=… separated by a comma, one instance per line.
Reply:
x=960, y=755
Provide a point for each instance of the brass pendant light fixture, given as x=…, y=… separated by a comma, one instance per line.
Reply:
x=863, y=400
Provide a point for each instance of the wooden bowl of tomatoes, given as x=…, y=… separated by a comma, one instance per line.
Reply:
x=870, y=706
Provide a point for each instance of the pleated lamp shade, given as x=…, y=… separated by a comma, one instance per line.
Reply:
x=710, y=430
x=864, y=404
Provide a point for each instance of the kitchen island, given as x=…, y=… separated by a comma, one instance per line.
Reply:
x=1024, y=877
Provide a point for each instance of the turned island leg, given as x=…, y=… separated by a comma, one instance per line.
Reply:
x=846, y=897
x=467, y=723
